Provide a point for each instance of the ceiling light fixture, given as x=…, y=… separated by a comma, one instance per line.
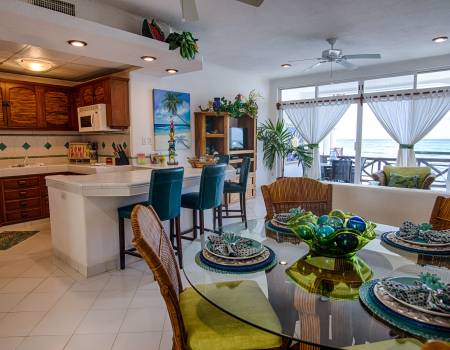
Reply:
x=77, y=43
x=286, y=65
x=172, y=71
x=148, y=58
x=35, y=64
x=440, y=39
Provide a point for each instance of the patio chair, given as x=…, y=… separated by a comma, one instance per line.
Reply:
x=424, y=174
x=341, y=170
x=292, y=192
x=196, y=323
x=440, y=216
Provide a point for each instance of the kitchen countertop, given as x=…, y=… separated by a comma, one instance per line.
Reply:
x=123, y=183
x=84, y=169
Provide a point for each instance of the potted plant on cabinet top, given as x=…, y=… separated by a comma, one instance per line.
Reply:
x=277, y=143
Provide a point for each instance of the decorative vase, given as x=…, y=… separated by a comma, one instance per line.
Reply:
x=216, y=104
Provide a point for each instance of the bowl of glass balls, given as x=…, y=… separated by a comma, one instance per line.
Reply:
x=336, y=235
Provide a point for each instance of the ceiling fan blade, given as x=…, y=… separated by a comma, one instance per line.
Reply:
x=315, y=65
x=347, y=65
x=256, y=3
x=189, y=10
x=305, y=59
x=362, y=56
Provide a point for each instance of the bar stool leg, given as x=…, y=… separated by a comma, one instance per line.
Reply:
x=179, y=244
x=214, y=219
x=219, y=218
x=226, y=204
x=241, y=202
x=194, y=231
x=244, y=209
x=122, y=242
x=202, y=222
x=171, y=231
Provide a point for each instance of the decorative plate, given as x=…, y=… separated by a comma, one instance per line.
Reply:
x=226, y=261
x=423, y=234
x=421, y=243
x=392, y=239
x=407, y=310
x=282, y=218
x=280, y=226
x=233, y=247
x=410, y=281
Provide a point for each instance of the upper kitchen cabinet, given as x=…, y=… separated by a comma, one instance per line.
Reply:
x=3, y=105
x=56, y=107
x=113, y=92
x=21, y=102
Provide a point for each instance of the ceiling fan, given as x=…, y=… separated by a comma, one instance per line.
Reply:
x=190, y=13
x=333, y=55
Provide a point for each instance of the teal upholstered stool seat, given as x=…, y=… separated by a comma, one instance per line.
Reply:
x=209, y=196
x=165, y=197
x=210, y=328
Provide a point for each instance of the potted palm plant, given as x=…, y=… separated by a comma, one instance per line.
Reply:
x=277, y=144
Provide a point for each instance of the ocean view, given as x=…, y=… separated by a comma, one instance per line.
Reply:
x=387, y=148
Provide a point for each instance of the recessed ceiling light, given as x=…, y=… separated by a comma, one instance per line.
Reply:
x=35, y=64
x=440, y=39
x=77, y=43
x=286, y=65
x=172, y=71
x=148, y=58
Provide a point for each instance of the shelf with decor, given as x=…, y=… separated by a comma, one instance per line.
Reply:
x=236, y=137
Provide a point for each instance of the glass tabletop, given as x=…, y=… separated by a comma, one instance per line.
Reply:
x=315, y=298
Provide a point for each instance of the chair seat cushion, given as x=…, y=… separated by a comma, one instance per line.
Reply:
x=125, y=212
x=190, y=200
x=396, y=180
x=422, y=172
x=210, y=328
x=233, y=187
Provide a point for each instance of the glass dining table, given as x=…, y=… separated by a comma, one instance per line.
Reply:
x=316, y=299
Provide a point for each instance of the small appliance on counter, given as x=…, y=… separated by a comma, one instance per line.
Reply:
x=79, y=152
x=120, y=155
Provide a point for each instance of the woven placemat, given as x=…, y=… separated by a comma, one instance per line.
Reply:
x=391, y=239
x=262, y=266
x=9, y=239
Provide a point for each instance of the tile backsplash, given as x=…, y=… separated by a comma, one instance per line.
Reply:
x=52, y=148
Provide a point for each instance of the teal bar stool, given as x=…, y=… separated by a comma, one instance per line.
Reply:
x=209, y=196
x=165, y=197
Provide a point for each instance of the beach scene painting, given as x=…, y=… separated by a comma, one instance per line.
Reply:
x=171, y=106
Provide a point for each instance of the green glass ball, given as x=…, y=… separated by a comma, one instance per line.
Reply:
x=323, y=220
x=305, y=231
x=337, y=213
x=335, y=222
x=324, y=231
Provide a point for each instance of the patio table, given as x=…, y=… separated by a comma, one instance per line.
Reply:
x=311, y=313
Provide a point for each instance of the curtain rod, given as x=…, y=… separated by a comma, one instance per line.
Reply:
x=360, y=98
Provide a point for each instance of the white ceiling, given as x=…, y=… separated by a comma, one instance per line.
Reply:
x=66, y=66
x=258, y=40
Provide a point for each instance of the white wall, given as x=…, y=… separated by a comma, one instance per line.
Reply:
x=212, y=81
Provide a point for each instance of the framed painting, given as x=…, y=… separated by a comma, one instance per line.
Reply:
x=172, y=106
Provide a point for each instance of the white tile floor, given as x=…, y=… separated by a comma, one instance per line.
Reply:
x=45, y=305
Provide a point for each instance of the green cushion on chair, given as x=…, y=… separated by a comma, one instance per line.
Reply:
x=396, y=180
x=392, y=344
x=422, y=172
x=125, y=212
x=209, y=328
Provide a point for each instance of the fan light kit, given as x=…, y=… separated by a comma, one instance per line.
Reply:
x=77, y=43
x=148, y=58
x=440, y=39
x=286, y=65
x=172, y=71
x=35, y=64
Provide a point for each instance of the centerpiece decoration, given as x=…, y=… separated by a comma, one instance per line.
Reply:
x=238, y=108
x=336, y=235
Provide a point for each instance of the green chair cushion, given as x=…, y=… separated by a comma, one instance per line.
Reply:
x=210, y=328
x=422, y=172
x=190, y=200
x=396, y=180
x=392, y=344
x=125, y=212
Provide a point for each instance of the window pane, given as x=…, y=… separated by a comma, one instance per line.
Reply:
x=389, y=84
x=304, y=93
x=350, y=88
x=433, y=79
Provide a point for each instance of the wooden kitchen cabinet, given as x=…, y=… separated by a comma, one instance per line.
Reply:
x=21, y=105
x=56, y=106
x=3, y=105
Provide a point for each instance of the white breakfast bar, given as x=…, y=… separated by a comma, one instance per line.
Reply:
x=83, y=214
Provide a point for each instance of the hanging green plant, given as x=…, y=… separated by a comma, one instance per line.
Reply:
x=186, y=42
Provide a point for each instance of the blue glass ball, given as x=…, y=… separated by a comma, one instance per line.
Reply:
x=347, y=242
x=356, y=223
x=324, y=231
x=323, y=220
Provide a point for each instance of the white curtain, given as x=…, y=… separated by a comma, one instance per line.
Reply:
x=313, y=121
x=408, y=118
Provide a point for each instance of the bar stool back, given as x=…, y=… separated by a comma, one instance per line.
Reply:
x=165, y=197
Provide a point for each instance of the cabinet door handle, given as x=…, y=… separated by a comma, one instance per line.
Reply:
x=6, y=104
x=23, y=204
x=21, y=182
x=22, y=193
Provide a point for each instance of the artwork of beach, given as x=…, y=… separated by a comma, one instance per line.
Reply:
x=167, y=106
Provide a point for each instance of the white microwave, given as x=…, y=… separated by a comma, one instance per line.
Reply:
x=92, y=118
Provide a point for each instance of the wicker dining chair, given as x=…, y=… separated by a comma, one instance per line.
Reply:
x=196, y=323
x=291, y=192
x=440, y=216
